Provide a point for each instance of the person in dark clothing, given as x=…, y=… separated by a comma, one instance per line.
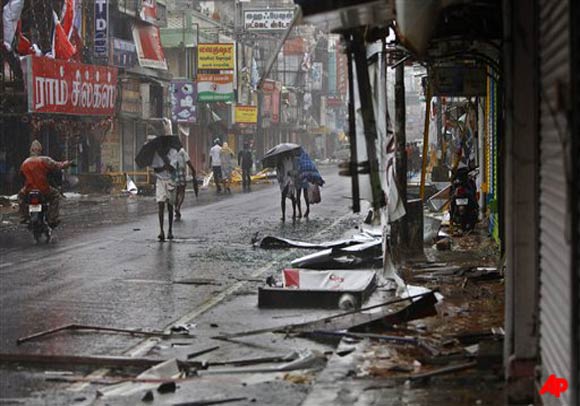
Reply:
x=245, y=160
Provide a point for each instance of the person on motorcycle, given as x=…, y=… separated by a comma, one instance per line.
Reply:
x=36, y=170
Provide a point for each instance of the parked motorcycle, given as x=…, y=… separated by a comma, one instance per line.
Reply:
x=464, y=204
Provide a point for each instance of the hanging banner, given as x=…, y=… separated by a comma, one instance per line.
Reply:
x=246, y=114
x=124, y=53
x=101, y=45
x=183, y=101
x=316, y=76
x=149, y=11
x=275, y=118
x=149, y=50
x=56, y=86
x=215, y=88
x=268, y=20
x=216, y=56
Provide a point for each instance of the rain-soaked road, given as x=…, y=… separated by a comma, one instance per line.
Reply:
x=119, y=275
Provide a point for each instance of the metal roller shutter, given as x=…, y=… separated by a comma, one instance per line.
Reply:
x=555, y=248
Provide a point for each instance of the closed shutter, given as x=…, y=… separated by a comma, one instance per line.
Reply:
x=555, y=246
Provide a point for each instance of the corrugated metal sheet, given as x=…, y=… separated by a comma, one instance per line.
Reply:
x=555, y=249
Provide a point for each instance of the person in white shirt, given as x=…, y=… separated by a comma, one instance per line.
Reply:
x=164, y=164
x=215, y=161
x=183, y=161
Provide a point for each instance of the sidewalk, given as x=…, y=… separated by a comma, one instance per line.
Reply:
x=466, y=333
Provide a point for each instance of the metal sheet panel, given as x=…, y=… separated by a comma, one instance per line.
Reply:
x=555, y=246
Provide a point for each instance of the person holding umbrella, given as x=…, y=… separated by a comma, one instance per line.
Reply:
x=161, y=153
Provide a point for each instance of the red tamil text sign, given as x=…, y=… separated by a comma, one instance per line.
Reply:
x=63, y=87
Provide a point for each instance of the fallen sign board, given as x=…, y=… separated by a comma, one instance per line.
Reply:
x=318, y=289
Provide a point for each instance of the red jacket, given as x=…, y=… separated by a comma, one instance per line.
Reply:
x=36, y=169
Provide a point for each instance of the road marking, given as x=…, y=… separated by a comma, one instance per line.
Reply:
x=145, y=346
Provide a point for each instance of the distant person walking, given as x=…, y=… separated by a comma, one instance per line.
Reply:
x=182, y=162
x=227, y=158
x=164, y=165
x=245, y=160
x=215, y=161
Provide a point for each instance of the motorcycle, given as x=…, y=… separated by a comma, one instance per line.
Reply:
x=464, y=204
x=37, y=210
x=38, y=206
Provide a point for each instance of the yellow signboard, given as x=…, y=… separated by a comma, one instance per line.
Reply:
x=246, y=114
x=215, y=56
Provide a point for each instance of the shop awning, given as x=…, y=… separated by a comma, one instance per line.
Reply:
x=149, y=49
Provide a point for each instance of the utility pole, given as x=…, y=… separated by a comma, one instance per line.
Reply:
x=401, y=227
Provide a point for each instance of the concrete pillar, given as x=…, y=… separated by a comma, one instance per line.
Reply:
x=521, y=196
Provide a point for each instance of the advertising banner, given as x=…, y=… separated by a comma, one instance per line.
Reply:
x=149, y=11
x=124, y=53
x=275, y=117
x=56, y=86
x=101, y=28
x=268, y=20
x=216, y=56
x=215, y=88
x=246, y=114
x=149, y=50
x=183, y=101
x=316, y=76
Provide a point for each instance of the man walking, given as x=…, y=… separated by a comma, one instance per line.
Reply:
x=183, y=161
x=164, y=164
x=215, y=161
x=245, y=160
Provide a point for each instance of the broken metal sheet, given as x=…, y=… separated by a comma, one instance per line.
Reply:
x=273, y=242
x=310, y=359
x=362, y=255
x=421, y=307
x=165, y=370
x=338, y=322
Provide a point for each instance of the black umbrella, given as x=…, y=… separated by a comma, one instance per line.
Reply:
x=279, y=151
x=161, y=145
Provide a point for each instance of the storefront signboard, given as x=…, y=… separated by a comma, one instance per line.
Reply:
x=183, y=101
x=215, y=88
x=61, y=87
x=216, y=56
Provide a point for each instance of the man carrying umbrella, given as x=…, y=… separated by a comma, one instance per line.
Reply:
x=161, y=153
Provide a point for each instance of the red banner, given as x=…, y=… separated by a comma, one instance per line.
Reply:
x=149, y=50
x=63, y=87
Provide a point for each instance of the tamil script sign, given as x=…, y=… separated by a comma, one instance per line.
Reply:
x=183, y=100
x=56, y=86
x=268, y=20
x=216, y=56
x=101, y=28
x=215, y=88
x=246, y=114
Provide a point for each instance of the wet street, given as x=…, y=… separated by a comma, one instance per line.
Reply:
x=108, y=269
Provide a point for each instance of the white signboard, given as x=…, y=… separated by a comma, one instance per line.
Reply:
x=268, y=20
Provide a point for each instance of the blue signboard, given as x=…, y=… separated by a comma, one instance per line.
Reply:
x=101, y=28
x=124, y=53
